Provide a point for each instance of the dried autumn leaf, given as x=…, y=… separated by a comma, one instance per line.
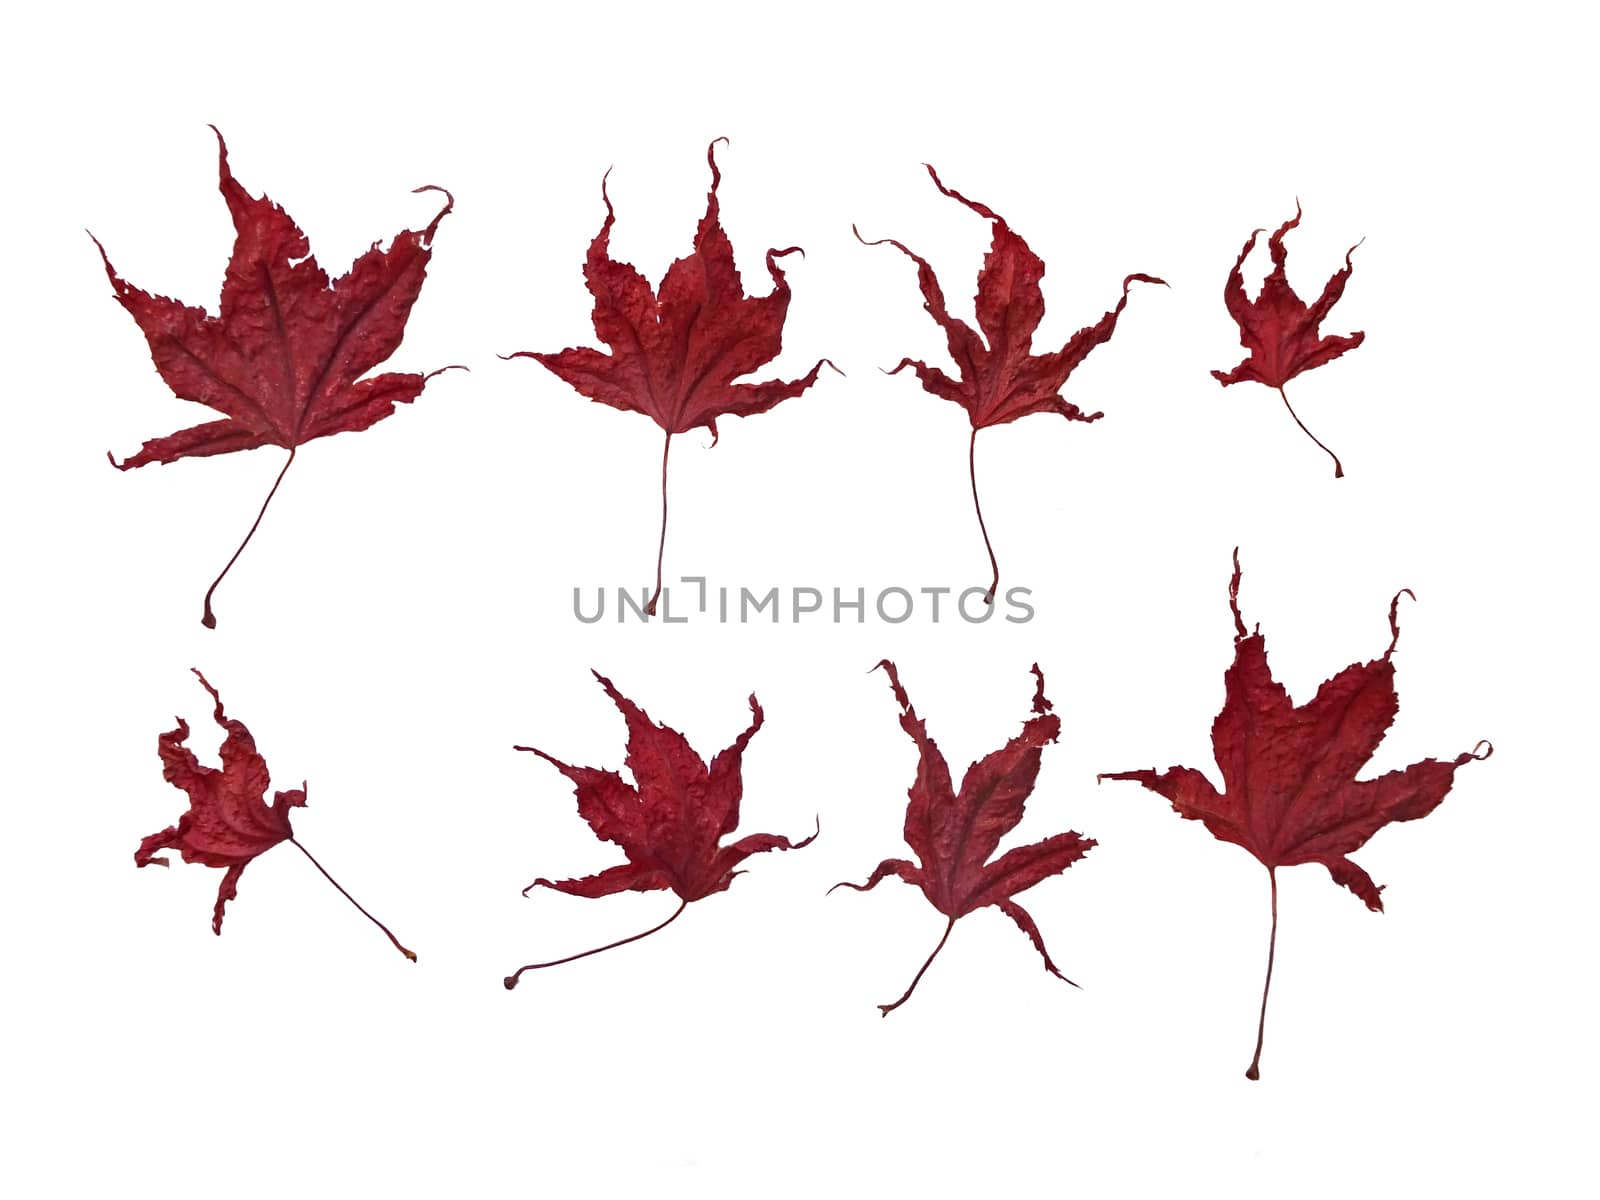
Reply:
x=954, y=833
x=669, y=821
x=1001, y=379
x=285, y=358
x=1280, y=330
x=229, y=822
x=1289, y=772
x=676, y=352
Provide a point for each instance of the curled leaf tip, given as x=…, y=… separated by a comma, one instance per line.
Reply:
x=449, y=204
x=711, y=160
x=1394, y=618
x=1487, y=748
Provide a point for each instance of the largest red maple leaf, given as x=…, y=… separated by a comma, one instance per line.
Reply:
x=1280, y=330
x=1290, y=793
x=1001, y=379
x=954, y=831
x=285, y=358
x=670, y=821
x=676, y=352
x=229, y=822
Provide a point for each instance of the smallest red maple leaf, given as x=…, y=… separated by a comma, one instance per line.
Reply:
x=1290, y=795
x=1001, y=379
x=229, y=822
x=669, y=822
x=954, y=832
x=1280, y=330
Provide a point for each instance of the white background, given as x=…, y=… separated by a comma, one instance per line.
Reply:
x=404, y=615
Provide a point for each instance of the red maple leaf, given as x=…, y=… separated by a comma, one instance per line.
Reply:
x=1000, y=378
x=229, y=822
x=284, y=360
x=669, y=821
x=1280, y=330
x=1290, y=792
x=676, y=352
x=954, y=832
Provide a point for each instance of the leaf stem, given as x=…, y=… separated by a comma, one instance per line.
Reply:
x=511, y=980
x=1272, y=946
x=354, y=901
x=889, y=1008
x=661, y=547
x=1338, y=467
x=972, y=471
x=209, y=619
